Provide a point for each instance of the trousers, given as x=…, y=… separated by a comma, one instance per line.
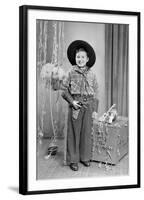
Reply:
x=79, y=139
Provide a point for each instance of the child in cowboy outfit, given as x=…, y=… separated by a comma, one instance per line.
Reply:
x=81, y=94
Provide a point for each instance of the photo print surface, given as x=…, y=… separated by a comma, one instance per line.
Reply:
x=91, y=140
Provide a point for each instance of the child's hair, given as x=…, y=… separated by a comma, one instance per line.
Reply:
x=81, y=49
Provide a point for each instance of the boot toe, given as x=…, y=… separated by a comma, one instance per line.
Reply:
x=86, y=163
x=74, y=166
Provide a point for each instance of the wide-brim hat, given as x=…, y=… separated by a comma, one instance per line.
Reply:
x=77, y=44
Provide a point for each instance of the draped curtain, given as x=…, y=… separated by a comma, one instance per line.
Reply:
x=49, y=49
x=49, y=43
x=116, y=62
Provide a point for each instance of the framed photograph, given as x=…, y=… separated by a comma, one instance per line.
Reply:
x=79, y=111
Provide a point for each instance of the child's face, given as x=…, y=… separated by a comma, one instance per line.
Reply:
x=81, y=58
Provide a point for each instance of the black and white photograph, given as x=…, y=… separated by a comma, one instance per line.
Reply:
x=80, y=131
x=82, y=99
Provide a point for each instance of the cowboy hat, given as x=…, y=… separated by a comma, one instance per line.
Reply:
x=78, y=44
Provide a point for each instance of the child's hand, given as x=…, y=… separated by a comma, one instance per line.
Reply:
x=94, y=115
x=76, y=105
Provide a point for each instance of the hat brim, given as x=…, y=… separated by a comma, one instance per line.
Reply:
x=77, y=44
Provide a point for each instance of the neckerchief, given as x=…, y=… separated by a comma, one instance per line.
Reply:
x=84, y=73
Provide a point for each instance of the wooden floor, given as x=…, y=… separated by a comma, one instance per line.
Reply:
x=54, y=168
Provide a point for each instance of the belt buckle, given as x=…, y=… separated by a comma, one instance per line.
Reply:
x=84, y=98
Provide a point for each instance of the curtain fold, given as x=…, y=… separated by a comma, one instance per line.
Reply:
x=50, y=49
x=116, y=62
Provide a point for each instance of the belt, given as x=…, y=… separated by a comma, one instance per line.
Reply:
x=83, y=98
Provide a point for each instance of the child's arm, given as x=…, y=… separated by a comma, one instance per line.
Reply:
x=66, y=93
x=67, y=96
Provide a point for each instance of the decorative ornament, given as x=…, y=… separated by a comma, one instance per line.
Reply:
x=110, y=115
x=101, y=133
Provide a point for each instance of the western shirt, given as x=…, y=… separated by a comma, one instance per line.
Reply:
x=80, y=82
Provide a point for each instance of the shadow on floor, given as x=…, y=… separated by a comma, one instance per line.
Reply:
x=14, y=189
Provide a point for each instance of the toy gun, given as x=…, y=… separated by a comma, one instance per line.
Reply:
x=108, y=117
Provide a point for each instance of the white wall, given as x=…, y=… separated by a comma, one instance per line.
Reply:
x=9, y=99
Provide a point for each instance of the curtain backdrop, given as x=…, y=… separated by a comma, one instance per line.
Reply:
x=116, y=62
x=50, y=49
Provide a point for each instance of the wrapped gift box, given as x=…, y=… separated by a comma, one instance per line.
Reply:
x=110, y=141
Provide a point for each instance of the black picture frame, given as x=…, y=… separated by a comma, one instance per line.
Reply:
x=23, y=98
